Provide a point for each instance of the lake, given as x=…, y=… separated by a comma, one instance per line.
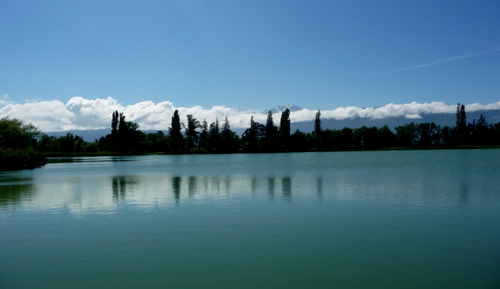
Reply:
x=381, y=219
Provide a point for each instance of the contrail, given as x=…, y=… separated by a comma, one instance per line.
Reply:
x=448, y=60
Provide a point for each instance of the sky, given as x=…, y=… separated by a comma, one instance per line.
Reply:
x=64, y=63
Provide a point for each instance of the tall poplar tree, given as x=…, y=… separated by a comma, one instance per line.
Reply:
x=176, y=138
x=317, y=130
x=114, y=131
x=284, y=130
x=270, y=139
x=122, y=133
x=461, y=124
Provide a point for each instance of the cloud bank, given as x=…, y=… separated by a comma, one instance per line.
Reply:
x=87, y=114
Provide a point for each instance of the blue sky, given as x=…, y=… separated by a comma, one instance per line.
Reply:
x=251, y=54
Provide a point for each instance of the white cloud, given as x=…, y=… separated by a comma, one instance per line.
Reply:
x=389, y=110
x=413, y=116
x=5, y=99
x=81, y=113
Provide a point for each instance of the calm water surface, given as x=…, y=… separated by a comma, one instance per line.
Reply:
x=397, y=219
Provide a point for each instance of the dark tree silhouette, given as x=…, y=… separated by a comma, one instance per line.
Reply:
x=67, y=144
x=132, y=138
x=346, y=139
x=270, y=138
x=365, y=138
x=461, y=116
x=298, y=141
x=284, y=129
x=114, y=130
x=427, y=132
x=15, y=134
x=481, y=132
x=386, y=137
x=203, y=144
x=317, y=130
x=18, y=145
x=176, y=138
x=214, y=137
x=227, y=138
x=445, y=136
x=407, y=135
x=192, y=135
x=461, y=128
x=122, y=133
x=125, y=136
x=252, y=135
x=155, y=142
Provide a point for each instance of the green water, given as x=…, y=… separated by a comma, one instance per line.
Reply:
x=396, y=219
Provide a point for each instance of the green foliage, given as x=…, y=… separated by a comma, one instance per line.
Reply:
x=428, y=133
x=365, y=138
x=192, y=135
x=155, y=142
x=252, y=137
x=407, y=135
x=385, y=137
x=18, y=159
x=18, y=144
x=299, y=142
x=16, y=135
x=67, y=144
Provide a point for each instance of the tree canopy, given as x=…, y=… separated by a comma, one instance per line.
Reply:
x=15, y=134
x=18, y=145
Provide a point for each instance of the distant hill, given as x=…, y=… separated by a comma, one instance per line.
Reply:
x=87, y=135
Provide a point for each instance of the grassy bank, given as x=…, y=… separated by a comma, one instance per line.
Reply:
x=11, y=159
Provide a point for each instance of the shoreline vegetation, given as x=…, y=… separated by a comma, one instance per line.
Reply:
x=103, y=154
x=23, y=146
x=20, y=160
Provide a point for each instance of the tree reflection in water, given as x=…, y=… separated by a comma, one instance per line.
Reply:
x=176, y=187
x=286, y=188
x=192, y=186
x=119, y=186
x=271, y=185
x=319, y=186
x=150, y=190
x=12, y=196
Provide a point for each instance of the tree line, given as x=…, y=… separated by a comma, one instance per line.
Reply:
x=23, y=145
x=199, y=137
x=18, y=145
